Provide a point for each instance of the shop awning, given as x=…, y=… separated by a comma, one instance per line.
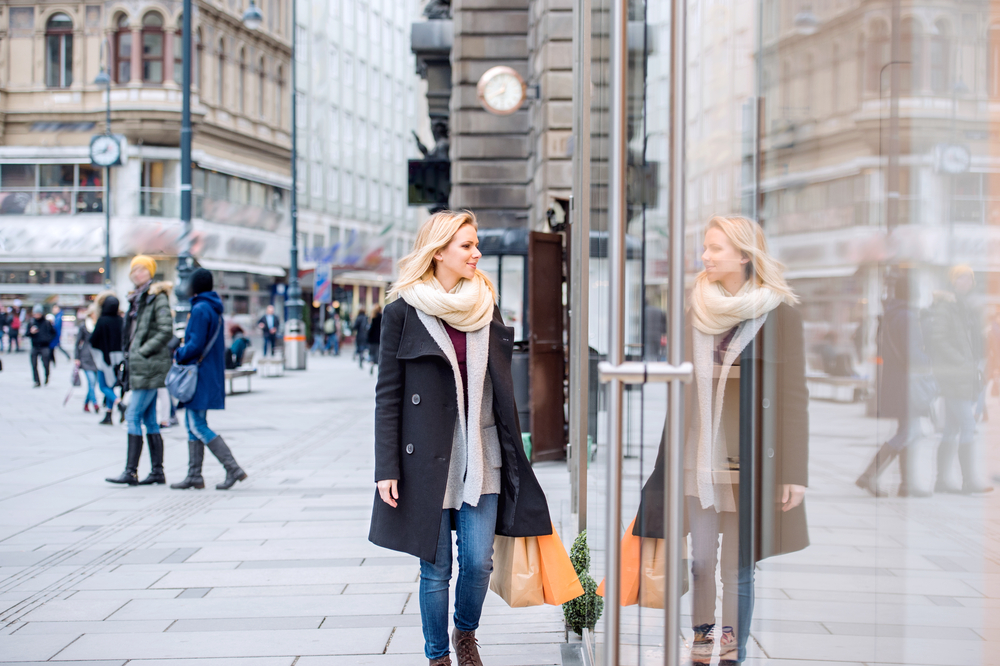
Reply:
x=238, y=267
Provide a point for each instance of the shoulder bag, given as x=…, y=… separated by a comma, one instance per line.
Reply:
x=182, y=380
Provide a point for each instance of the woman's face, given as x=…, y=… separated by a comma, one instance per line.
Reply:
x=139, y=275
x=721, y=258
x=461, y=255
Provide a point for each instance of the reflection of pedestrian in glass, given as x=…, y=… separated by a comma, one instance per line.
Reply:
x=655, y=328
x=374, y=337
x=904, y=390
x=955, y=343
x=361, y=336
x=993, y=355
x=746, y=338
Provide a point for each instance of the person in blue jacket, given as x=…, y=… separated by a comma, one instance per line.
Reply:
x=204, y=323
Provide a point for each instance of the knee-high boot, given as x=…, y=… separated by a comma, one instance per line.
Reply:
x=869, y=478
x=945, y=466
x=196, y=455
x=971, y=477
x=131, y=462
x=234, y=473
x=156, y=475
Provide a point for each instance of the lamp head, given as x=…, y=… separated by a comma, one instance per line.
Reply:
x=102, y=78
x=252, y=18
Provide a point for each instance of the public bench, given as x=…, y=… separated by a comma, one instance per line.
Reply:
x=246, y=369
x=837, y=389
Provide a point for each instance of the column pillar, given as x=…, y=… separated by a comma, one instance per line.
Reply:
x=136, y=55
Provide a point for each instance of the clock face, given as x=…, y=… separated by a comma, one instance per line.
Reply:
x=955, y=159
x=501, y=90
x=105, y=150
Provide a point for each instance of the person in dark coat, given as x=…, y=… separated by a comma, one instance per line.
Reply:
x=446, y=362
x=361, y=337
x=745, y=339
x=57, y=324
x=42, y=333
x=107, y=341
x=955, y=344
x=269, y=324
x=205, y=324
x=904, y=365
x=83, y=354
x=374, y=337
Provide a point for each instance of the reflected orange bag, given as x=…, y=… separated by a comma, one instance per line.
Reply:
x=642, y=567
x=630, y=557
x=559, y=580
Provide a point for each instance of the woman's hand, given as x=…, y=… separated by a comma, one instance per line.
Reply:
x=388, y=491
x=791, y=496
x=77, y=363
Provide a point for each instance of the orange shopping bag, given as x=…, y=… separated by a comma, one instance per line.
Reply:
x=559, y=580
x=517, y=571
x=631, y=548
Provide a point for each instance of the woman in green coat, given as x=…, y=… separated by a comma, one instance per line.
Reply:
x=148, y=329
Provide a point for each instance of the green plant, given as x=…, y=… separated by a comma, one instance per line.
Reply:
x=584, y=611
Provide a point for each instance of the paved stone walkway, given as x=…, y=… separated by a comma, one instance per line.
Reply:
x=276, y=572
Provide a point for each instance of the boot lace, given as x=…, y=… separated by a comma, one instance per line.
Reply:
x=467, y=649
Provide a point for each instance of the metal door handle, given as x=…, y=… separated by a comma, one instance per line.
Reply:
x=637, y=372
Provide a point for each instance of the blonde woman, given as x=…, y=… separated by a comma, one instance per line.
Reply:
x=448, y=451
x=746, y=415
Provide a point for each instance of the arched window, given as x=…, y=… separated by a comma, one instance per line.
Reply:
x=242, y=91
x=911, y=47
x=123, y=50
x=179, y=53
x=279, y=94
x=877, y=56
x=260, y=89
x=220, y=75
x=940, y=59
x=152, y=48
x=59, y=51
x=835, y=91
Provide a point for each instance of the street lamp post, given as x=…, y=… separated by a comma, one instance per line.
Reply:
x=294, y=338
x=104, y=79
x=185, y=263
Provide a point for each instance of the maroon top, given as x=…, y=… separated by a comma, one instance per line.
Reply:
x=458, y=342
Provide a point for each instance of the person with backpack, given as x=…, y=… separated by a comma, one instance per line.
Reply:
x=14, y=330
x=149, y=327
x=204, y=345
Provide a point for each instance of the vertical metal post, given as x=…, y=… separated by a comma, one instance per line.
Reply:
x=617, y=224
x=185, y=263
x=892, y=172
x=579, y=320
x=672, y=498
x=294, y=301
x=107, y=187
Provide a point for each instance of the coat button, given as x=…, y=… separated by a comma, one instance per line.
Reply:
x=415, y=399
x=766, y=403
x=770, y=452
x=409, y=448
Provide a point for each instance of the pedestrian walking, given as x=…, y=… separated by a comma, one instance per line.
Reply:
x=361, y=337
x=269, y=324
x=447, y=439
x=955, y=344
x=83, y=354
x=204, y=345
x=41, y=332
x=57, y=324
x=374, y=338
x=106, y=343
x=5, y=319
x=905, y=391
x=148, y=330
x=745, y=340
x=13, y=329
x=331, y=327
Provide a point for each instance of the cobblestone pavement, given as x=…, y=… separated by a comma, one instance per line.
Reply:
x=277, y=571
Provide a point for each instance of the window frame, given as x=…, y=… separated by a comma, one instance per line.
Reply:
x=64, y=73
x=153, y=30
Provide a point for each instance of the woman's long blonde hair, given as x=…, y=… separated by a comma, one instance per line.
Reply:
x=435, y=235
x=748, y=237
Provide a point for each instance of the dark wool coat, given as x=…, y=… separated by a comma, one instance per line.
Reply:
x=415, y=414
x=954, y=337
x=205, y=320
x=151, y=326
x=901, y=347
x=774, y=411
x=107, y=335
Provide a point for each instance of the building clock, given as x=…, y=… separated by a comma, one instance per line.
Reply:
x=501, y=90
x=105, y=150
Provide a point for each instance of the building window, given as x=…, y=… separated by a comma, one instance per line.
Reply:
x=51, y=189
x=911, y=78
x=877, y=56
x=940, y=60
x=123, y=51
x=260, y=89
x=362, y=77
x=242, y=91
x=158, y=195
x=220, y=75
x=348, y=70
x=345, y=182
x=152, y=48
x=179, y=54
x=279, y=95
x=333, y=181
x=59, y=51
x=993, y=65
x=198, y=60
x=316, y=176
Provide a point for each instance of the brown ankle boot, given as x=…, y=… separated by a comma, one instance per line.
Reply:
x=466, y=648
x=441, y=661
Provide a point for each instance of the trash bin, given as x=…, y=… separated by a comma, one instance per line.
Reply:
x=520, y=373
x=295, y=344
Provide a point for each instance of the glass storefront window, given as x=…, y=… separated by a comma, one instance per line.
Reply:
x=50, y=189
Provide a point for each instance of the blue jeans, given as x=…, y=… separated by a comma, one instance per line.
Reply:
x=109, y=393
x=91, y=384
x=959, y=420
x=197, y=425
x=142, y=409
x=475, y=527
x=269, y=341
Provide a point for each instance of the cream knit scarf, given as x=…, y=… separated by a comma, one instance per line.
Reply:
x=468, y=307
x=713, y=312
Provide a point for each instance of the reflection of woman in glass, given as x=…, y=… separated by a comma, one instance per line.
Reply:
x=746, y=418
